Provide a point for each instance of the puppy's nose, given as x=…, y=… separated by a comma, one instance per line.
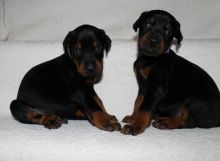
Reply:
x=153, y=41
x=90, y=68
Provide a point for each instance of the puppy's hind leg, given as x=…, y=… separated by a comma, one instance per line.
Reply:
x=25, y=114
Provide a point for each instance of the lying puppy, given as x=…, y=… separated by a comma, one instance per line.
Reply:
x=173, y=91
x=62, y=88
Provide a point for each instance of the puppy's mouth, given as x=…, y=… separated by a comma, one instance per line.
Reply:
x=92, y=79
x=149, y=51
x=89, y=75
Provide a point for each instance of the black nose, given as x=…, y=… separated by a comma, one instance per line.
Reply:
x=154, y=38
x=90, y=68
x=153, y=41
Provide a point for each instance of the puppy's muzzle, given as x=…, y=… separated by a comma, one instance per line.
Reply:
x=151, y=44
x=90, y=68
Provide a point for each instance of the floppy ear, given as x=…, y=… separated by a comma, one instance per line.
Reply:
x=177, y=32
x=66, y=44
x=107, y=41
x=139, y=21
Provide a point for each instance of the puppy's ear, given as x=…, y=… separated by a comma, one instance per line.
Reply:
x=139, y=21
x=177, y=32
x=106, y=41
x=66, y=43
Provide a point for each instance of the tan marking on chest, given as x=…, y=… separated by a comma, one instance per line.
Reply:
x=145, y=72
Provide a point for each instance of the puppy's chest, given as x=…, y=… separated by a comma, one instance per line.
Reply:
x=145, y=72
x=153, y=72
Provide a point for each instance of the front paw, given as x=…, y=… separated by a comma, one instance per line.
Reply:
x=138, y=124
x=112, y=118
x=105, y=122
x=133, y=129
x=128, y=119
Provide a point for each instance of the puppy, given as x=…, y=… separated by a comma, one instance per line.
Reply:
x=62, y=88
x=172, y=91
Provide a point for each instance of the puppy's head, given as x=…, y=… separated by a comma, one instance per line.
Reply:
x=86, y=46
x=157, y=29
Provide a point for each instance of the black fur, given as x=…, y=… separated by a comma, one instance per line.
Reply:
x=62, y=88
x=176, y=92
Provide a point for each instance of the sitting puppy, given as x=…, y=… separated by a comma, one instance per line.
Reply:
x=173, y=91
x=62, y=88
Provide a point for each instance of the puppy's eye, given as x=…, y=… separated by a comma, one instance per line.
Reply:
x=148, y=25
x=169, y=33
x=77, y=50
x=98, y=48
x=167, y=27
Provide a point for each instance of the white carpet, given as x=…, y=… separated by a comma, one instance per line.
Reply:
x=78, y=140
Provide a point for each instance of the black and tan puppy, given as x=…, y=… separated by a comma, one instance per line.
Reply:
x=173, y=91
x=62, y=88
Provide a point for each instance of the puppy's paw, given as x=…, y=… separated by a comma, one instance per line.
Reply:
x=133, y=129
x=168, y=123
x=128, y=119
x=160, y=124
x=52, y=121
x=113, y=118
x=138, y=124
x=105, y=122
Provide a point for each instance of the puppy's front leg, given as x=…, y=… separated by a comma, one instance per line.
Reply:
x=96, y=113
x=143, y=112
x=140, y=119
x=146, y=101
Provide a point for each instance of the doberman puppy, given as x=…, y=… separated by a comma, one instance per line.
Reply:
x=62, y=88
x=172, y=91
